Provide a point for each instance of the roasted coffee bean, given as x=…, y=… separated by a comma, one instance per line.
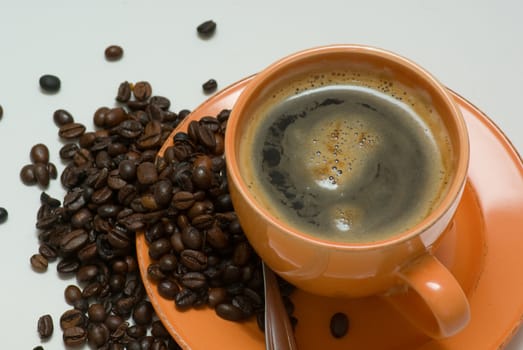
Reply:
x=185, y=299
x=114, y=180
x=91, y=290
x=3, y=215
x=194, y=260
x=51, y=169
x=41, y=174
x=158, y=330
x=86, y=273
x=45, y=326
x=1, y=112
x=194, y=280
x=191, y=237
x=47, y=251
x=49, y=83
x=229, y=312
x=114, y=117
x=137, y=331
x=96, y=312
x=203, y=221
x=160, y=101
x=142, y=90
x=216, y=296
x=68, y=151
x=74, y=336
x=244, y=304
x=97, y=334
x=159, y=248
x=113, y=322
x=168, y=289
x=127, y=170
x=71, y=130
x=209, y=86
x=39, y=347
x=207, y=138
x=73, y=241
x=124, y=92
x=102, y=195
x=339, y=325
x=99, y=116
x=143, y=313
x=27, y=174
x=155, y=273
x=72, y=294
x=206, y=28
x=163, y=192
x=82, y=218
x=202, y=177
x=68, y=265
x=129, y=129
x=118, y=238
x=113, y=52
x=81, y=304
x=183, y=200
x=62, y=117
x=38, y=262
x=82, y=157
x=39, y=153
x=242, y=254
x=146, y=173
x=72, y=318
x=168, y=262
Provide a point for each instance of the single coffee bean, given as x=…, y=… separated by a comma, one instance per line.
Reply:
x=158, y=330
x=72, y=294
x=168, y=289
x=38, y=262
x=73, y=241
x=27, y=174
x=68, y=265
x=124, y=92
x=127, y=170
x=194, y=280
x=339, y=325
x=143, y=313
x=71, y=130
x=146, y=173
x=51, y=169
x=72, y=318
x=142, y=90
x=86, y=273
x=74, y=336
x=97, y=334
x=185, y=299
x=49, y=83
x=39, y=153
x=3, y=215
x=209, y=86
x=1, y=112
x=159, y=248
x=206, y=28
x=39, y=347
x=62, y=117
x=41, y=174
x=194, y=260
x=113, y=53
x=45, y=326
x=229, y=312
x=96, y=312
x=137, y=331
x=46, y=250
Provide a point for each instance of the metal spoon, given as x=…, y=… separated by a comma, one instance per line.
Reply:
x=278, y=329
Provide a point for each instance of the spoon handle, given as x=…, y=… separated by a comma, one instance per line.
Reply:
x=278, y=330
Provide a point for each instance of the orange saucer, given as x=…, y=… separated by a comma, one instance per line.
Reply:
x=484, y=250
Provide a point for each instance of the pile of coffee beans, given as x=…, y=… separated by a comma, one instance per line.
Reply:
x=117, y=186
x=40, y=171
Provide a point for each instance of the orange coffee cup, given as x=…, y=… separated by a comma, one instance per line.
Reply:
x=400, y=266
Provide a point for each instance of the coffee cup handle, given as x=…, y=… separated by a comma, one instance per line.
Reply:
x=435, y=302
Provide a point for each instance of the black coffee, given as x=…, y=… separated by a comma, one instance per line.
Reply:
x=346, y=163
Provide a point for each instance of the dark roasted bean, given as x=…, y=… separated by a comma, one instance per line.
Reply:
x=168, y=289
x=96, y=312
x=45, y=326
x=142, y=90
x=209, y=86
x=62, y=117
x=194, y=260
x=155, y=273
x=71, y=130
x=114, y=116
x=160, y=101
x=72, y=318
x=72, y=294
x=39, y=263
x=339, y=325
x=113, y=52
x=159, y=248
x=97, y=334
x=137, y=331
x=49, y=83
x=47, y=251
x=229, y=312
x=27, y=174
x=194, y=280
x=41, y=174
x=86, y=273
x=73, y=241
x=39, y=153
x=74, y=336
x=143, y=313
x=158, y=330
x=185, y=299
x=192, y=238
x=146, y=173
x=67, y=265
x=124, y=91
x=51, y=169
x=206, y=28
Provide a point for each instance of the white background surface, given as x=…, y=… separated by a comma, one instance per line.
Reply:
x=474, y=47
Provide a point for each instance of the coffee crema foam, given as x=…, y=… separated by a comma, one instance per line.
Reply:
x=346, y=162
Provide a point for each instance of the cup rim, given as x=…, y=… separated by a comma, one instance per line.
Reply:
x=455, y=188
